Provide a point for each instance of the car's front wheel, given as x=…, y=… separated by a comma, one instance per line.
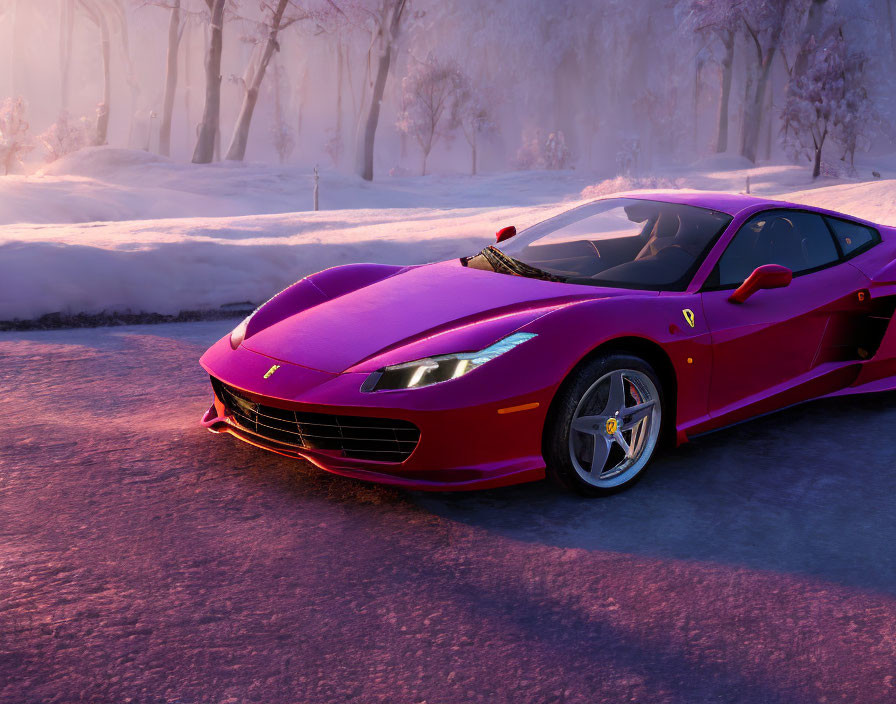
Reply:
x=605, y=425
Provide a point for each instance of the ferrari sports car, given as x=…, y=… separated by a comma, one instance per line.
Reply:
x=575, y=349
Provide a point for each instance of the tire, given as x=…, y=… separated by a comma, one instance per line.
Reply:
x=593, y=446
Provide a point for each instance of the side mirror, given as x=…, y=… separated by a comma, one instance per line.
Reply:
x=505, y=233
x=765, y=276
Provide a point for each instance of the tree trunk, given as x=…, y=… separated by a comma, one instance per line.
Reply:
x=237, y=150
x=340, y=62
x=389, y=34
x=102, y=114
x=473, y=149
x=373, y=115
x=66, y=30
x=819, y=145
x=14, y=49
x=753, y=110
x=211, y=114
x=188, y=83
x=170, y=79
x=769, y=118
x=892, y=26
x=727, y=63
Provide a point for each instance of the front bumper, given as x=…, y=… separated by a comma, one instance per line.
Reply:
x=462, y=445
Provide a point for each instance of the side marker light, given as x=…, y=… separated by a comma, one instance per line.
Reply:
x=514, y=409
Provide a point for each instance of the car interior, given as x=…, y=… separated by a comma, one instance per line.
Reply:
x=799, y=241
x=670, y=240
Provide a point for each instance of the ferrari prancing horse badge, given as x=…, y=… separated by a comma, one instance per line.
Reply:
x=689, y=316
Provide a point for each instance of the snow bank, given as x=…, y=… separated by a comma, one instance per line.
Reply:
x=872, y=200
x=722, y=162
x=105, y=184
x=147, y=235
x=622, y=184
x=167, y=266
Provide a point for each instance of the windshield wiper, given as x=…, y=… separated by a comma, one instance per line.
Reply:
x=503, y=263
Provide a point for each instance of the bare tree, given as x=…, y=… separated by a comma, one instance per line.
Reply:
x=96, y=12
x=211, y=114
x=474, y=116
x=255, y=75
x=429, y=103
x=66, y=30
x=175, y=32
x=719, y=19
x=282, y=134
x=386, y=23
x=766, y=23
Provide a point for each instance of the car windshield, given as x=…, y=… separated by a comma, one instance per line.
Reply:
x=619, y=242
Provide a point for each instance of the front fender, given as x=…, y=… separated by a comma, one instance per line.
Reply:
x=570, y=333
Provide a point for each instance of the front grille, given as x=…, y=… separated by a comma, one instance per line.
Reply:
x=355, y=437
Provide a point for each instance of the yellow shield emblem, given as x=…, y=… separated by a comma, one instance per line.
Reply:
x=689, y=316
x=270, y=372
x=612, y=426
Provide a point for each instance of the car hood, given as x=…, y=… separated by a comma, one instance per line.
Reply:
x=422, y=311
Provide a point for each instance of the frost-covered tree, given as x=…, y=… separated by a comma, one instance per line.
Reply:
x=64, y=137
x=474, y=115
x=429, y=103
x=828, y=99
x=530, y=155
x=540, y=152
x=15, y=141
x=556, y=153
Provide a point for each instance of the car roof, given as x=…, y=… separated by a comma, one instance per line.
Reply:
x=730, y=203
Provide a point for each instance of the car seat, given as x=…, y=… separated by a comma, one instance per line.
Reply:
x=780, y=243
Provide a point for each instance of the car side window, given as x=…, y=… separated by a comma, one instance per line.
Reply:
x=852, y=236
x=800, y=241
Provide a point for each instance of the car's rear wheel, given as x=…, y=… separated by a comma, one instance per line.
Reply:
x=605, y=425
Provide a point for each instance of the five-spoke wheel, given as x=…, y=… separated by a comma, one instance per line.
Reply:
x=606, y=425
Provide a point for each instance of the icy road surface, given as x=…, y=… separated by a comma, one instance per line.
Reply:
x=143, y=559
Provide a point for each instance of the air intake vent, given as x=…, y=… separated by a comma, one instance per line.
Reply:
x=355, y=437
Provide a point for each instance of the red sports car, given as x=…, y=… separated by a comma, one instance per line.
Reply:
x=575, y=348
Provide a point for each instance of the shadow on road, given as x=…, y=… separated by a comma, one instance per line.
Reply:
x=809, y=490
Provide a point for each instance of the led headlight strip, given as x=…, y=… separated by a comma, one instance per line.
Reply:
x=434, y=370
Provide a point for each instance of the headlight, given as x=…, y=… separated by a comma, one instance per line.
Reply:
x=433, y=370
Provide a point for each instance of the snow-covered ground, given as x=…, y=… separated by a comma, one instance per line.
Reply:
x=112, y=230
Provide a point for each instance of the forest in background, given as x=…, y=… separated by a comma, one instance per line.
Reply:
x=398, y=87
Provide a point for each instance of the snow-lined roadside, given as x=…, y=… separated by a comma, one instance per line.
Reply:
x=104, y=184
x=165, y=266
